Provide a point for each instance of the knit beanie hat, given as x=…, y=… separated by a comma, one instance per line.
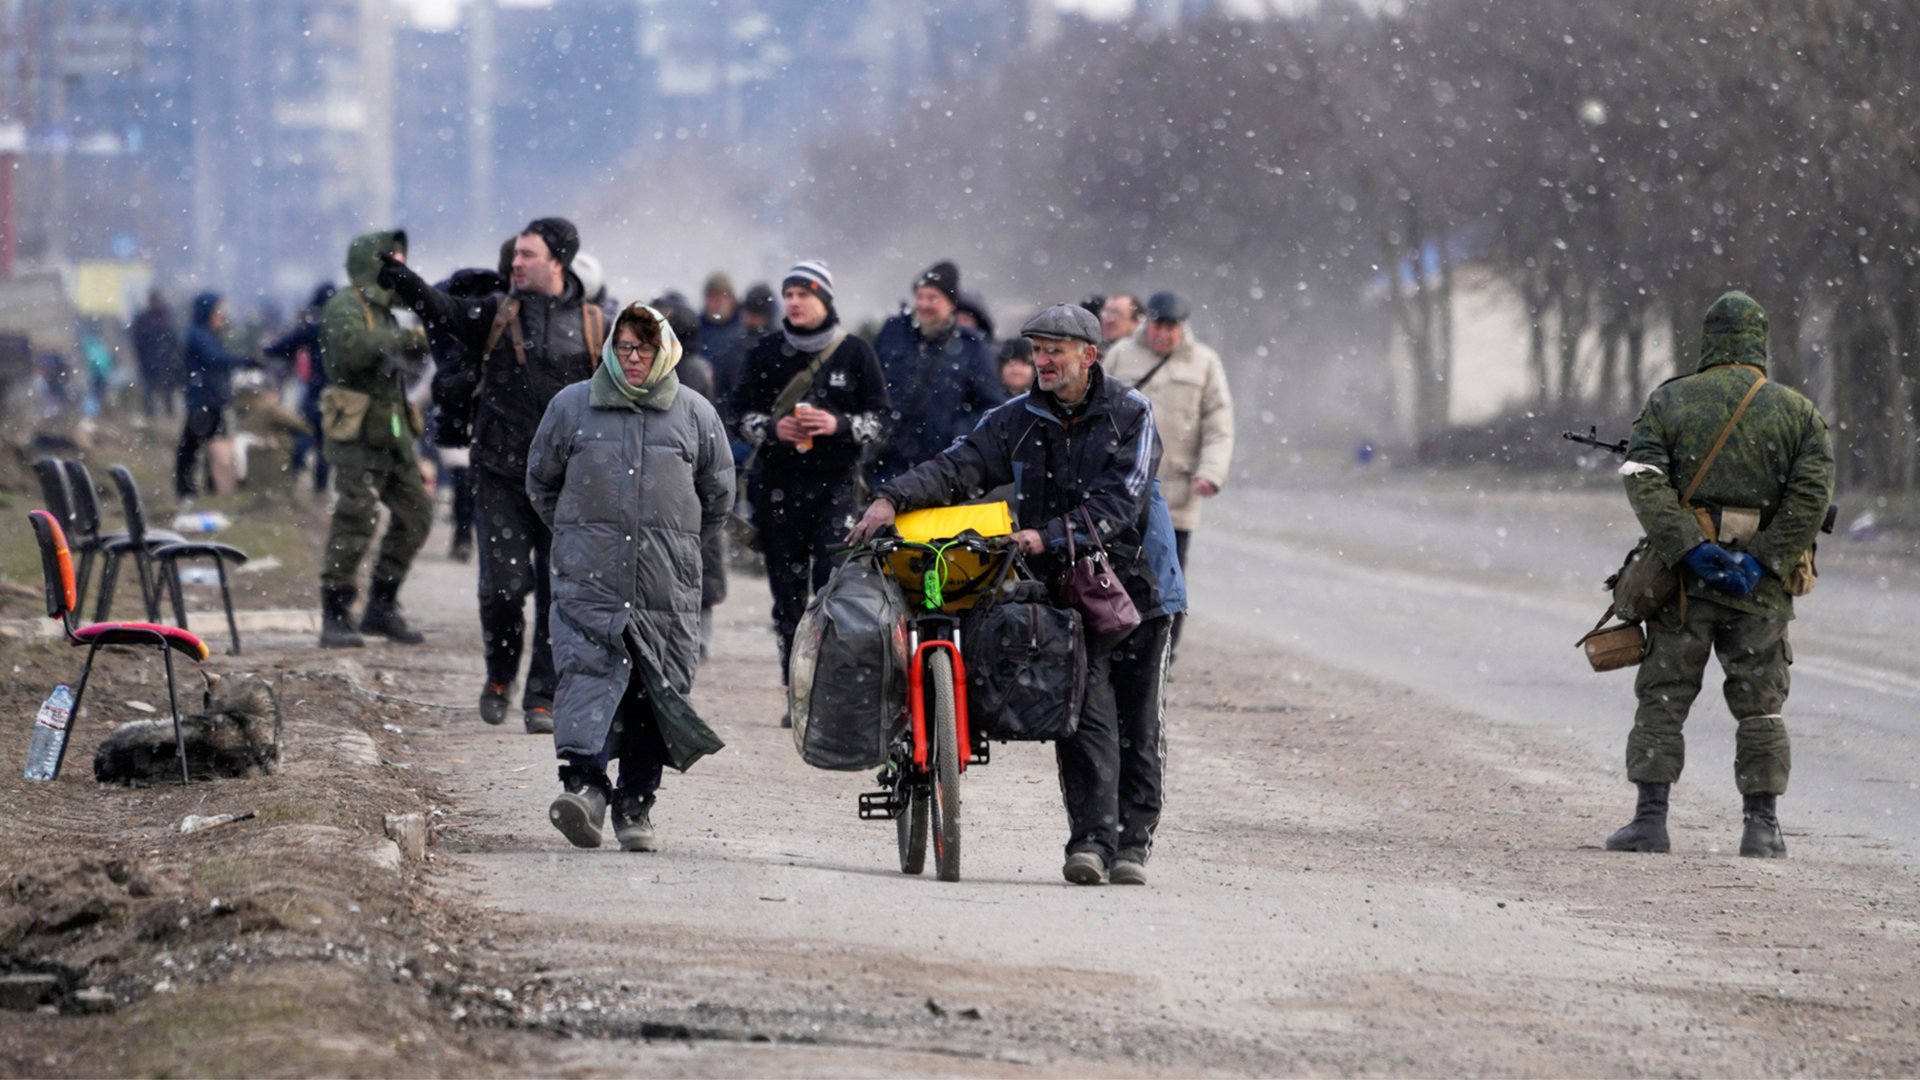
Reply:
x=563, y=240
x=943, y=276
x=812, y=275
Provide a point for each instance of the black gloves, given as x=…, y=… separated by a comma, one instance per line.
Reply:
x=394, y=275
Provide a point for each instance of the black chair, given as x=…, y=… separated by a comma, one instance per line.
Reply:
x=167, y=555
x=56, y=494
x=84, y=536
x=56, y=565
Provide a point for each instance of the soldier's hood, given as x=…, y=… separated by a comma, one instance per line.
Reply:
x=363, y=259
x=1735, y=333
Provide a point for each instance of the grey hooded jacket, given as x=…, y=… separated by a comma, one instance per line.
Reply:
x=629, y=494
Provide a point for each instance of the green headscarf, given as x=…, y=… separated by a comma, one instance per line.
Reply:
x=610, y=389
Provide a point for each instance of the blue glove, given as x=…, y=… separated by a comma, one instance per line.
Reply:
x=1746, y=575
x=1712, y=564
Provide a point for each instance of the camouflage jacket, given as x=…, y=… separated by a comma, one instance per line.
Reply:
x=1779, y=459
x=364, y=348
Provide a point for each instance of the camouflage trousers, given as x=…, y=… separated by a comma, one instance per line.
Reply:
x=358, y=492
x=1755, y=655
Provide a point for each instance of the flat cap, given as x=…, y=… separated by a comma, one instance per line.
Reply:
x=1067, y=321
x=1168, y=307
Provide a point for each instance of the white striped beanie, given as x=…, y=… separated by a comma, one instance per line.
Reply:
x=813, y=275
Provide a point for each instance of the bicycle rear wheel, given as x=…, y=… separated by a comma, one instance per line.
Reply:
x=945, y=720
x=912, y=825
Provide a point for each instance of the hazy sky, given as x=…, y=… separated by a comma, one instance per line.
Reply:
x=441, y=13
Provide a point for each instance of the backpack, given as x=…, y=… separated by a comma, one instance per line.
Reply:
x=456, y=390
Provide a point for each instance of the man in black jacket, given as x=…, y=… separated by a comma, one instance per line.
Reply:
x=1081, y=444
x=538, y=338
x=810, y=400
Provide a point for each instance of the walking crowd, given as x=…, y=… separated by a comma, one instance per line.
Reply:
x=611, y=461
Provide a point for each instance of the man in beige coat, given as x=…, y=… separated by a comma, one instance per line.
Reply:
x=1192, y=409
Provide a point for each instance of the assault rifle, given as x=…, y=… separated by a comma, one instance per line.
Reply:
x=1592, y=438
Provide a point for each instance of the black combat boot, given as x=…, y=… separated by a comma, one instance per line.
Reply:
x=1761, y=838
x=383, y=615
x=336, y=620
x=1648, y=829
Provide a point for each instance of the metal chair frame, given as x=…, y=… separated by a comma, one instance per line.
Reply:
x=56, y=564
x=167, y=553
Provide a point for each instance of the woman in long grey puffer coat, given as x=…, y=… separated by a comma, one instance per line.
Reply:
x=631, y=471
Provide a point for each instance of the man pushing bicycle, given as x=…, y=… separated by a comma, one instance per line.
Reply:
x=1079, y=447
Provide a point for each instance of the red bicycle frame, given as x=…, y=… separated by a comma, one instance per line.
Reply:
x=917, y=707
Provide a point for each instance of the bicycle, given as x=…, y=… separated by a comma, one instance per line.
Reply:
x=943, y=578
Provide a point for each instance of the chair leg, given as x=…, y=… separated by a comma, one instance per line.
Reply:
x=80, y=578
x=226, y=600
x=173, y=705
x=149, y=588
x=170, y=576
x=109, y=577
x=73, y=718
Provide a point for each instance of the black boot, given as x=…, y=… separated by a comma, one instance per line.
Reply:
x=383, y=615
x=580, y=813
x=1648, y=829
x=336, y=619
x=1761, y=838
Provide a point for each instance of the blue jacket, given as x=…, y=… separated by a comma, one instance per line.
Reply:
x=1158, y=549
x=939, y=389
x=209, y=366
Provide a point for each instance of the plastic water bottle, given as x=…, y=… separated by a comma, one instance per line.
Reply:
x=50, y=734
x=204, y=521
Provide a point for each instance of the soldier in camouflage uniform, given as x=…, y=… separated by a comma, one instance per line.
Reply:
x=366, y=351
x=1778, y=461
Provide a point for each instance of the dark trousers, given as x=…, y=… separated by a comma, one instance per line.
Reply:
x=514, y=547
x=802, y=520
x=461, y=479
x=1180, y=538
x=202, y=427
x=1113, y=769
x=157, y=397
x=633, y=738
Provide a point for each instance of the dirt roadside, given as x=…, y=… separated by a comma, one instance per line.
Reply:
x=1349, y=880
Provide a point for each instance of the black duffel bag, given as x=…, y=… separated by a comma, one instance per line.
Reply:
x=847, y=684
x=1026, y=667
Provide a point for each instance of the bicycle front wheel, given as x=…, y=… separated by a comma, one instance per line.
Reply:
x=945, y=719
x=912, y=825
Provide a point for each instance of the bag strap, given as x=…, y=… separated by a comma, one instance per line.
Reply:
x=365, y=309
x=506, y=316
x=796, y=389
x=1725, y=433
x=1148, y=377
x=593, y=327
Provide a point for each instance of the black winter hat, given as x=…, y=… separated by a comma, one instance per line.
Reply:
x=759, y=300
x=561, y=237
x=942, y=275
x=1168, y=307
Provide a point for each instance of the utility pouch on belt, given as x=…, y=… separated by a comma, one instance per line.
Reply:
x=343, y=413
x=1728, y=526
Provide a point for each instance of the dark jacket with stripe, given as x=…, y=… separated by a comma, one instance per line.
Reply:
x=1103, y=456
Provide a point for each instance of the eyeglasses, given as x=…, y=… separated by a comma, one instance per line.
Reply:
x=622, y=348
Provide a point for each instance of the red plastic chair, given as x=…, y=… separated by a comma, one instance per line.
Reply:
x=56, y=565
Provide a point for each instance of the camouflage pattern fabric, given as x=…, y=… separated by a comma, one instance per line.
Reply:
x=362, y=345
x=1754, y=652
x=1778, y=461
x=358, y=492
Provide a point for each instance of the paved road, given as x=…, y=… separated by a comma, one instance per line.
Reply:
x=1473, y=594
